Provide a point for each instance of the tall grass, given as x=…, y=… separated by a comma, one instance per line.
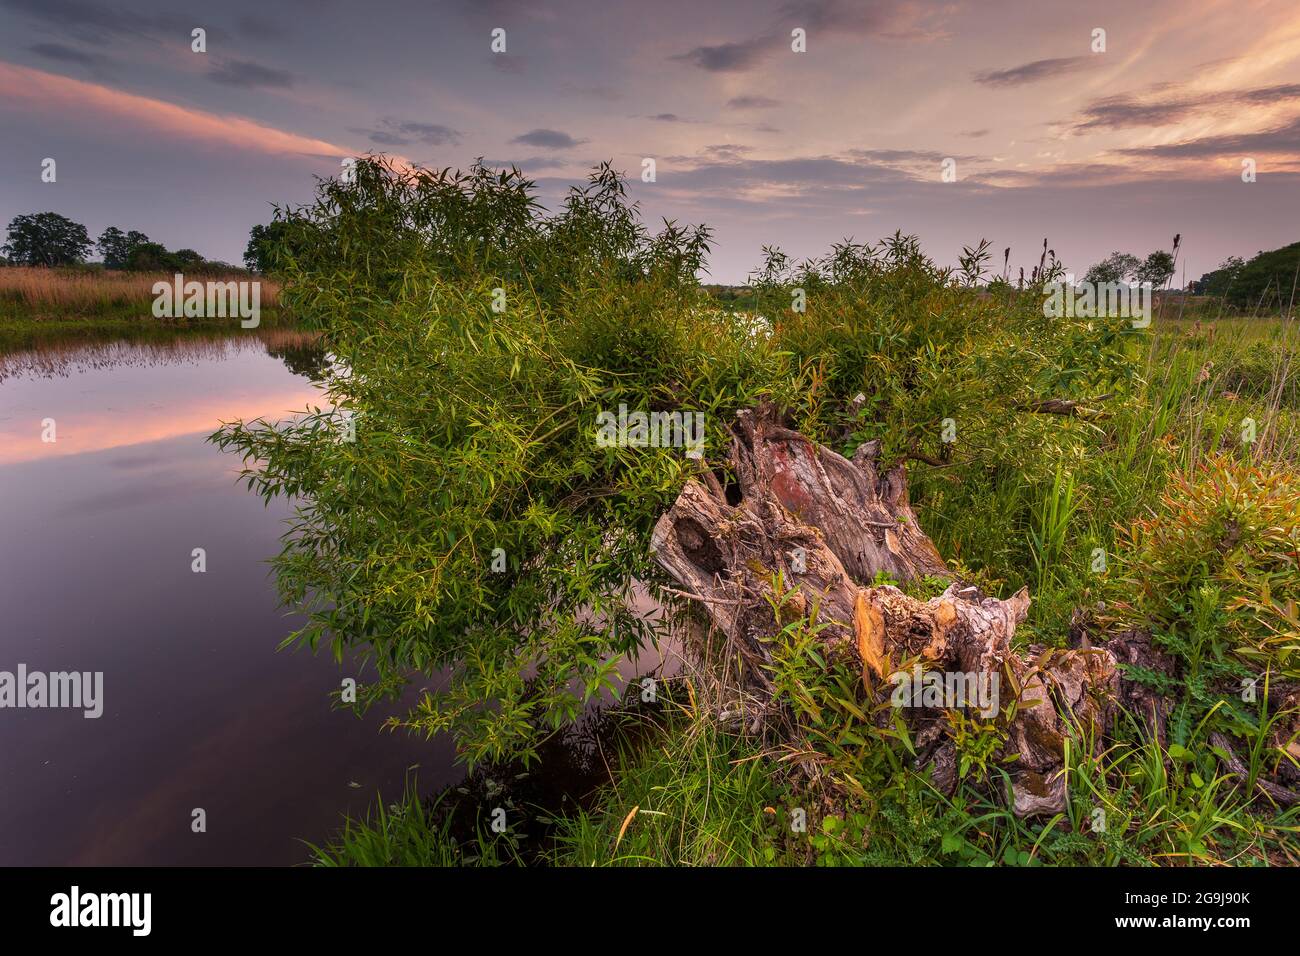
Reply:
x=32, y=292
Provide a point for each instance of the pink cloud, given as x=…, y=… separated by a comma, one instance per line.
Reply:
x=47, y=93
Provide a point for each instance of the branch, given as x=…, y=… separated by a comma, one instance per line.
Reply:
x=1288, y=798
x=1068, y=407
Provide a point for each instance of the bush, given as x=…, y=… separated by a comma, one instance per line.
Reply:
x=474, y=526
x=1223, y=543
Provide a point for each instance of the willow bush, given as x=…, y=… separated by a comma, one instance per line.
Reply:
x=476, y=336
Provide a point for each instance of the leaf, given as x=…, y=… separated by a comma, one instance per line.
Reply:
x=627, y=820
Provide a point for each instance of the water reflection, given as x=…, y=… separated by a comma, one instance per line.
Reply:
x=119, y=394
x=299, y=349
x=95, y=574
x=200, y=711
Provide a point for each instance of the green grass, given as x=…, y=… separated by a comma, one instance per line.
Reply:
x=691, y=794
x=410, y=832
x=694, y=795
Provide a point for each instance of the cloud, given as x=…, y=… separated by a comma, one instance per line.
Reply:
x=824, y=20
x=548, y=139
x=1128, y=110
x=65, y=54
x=1281, y=139
x=727, y=151
x=670, y=118
x=100, y=23
x=1032, y=72
x=1068, y=176
x=730, y=57
x=47, y=93
x=975, y=133
x=732, y=176
x=752, y=103
x=891, y=19
x=392, y=132
x=532, y=162
x=245, y=74
x=892, y=157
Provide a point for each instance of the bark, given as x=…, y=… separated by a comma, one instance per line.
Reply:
x=802, y=516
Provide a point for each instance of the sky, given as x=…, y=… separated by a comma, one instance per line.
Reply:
x=1043, y=133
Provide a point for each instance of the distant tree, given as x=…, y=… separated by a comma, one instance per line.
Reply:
x=186, y=258
x=1157, y=268
x=1221, y=279
x=1269, y=280
x=264, y=245
x=155, y=257
x=115, y=246
x=46, y=239
x=1117, y=267
x=151, y=257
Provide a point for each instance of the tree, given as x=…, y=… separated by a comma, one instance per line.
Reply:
x=1270, y=280
x=1117, y=267
x=46, y=239
x=116, y=246
x=150, y=257
x=1157, y=268
x=264, y=245
x=186, y=258
x=155, y=257
x=1221, y=279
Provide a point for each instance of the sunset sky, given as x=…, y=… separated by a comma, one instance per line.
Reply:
x=1095, y=151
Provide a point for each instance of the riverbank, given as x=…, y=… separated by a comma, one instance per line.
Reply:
x=40, y=305
x=1204, y=443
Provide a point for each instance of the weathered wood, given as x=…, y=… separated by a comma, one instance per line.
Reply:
x=820, y=528
x=802, y=516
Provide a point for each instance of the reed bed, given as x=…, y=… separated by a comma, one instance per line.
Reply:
x=32, y=292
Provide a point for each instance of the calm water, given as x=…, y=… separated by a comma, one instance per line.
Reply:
x=200, y=710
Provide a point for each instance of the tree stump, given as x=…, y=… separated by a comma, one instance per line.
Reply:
x=801, y=516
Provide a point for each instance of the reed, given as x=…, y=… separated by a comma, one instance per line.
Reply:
x=53, y=294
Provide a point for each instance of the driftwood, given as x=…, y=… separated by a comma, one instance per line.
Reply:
x=800, y=516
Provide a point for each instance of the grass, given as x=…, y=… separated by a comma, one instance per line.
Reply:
x=693, y=794
x=37, y=304
x=411, y=832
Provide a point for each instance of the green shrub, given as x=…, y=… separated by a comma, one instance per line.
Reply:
x=475, y=340
x=1223, y=541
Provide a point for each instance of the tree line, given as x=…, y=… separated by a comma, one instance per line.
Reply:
x=1269, y=279
x=48, y=239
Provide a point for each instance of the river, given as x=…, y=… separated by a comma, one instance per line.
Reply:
x=200, y=711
